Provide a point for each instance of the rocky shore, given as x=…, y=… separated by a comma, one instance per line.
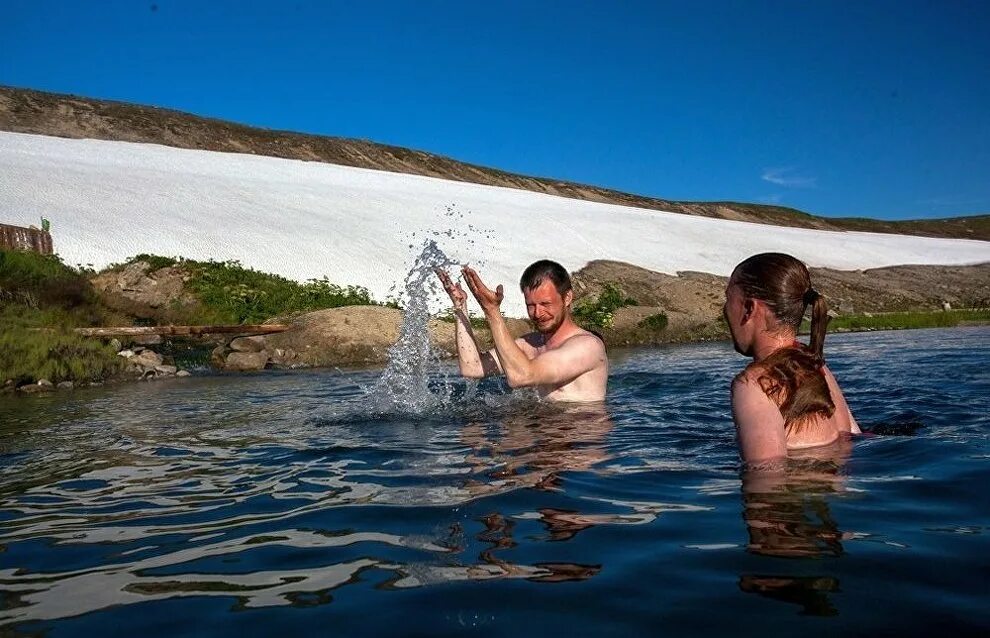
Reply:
x=689, y=302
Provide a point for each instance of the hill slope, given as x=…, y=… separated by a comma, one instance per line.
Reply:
x=27, y=111
x=108, y=201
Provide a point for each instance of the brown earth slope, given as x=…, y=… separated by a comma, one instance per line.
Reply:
x=693, y=301
x=27, y=111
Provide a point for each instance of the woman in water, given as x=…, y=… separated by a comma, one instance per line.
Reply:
x=787, y=399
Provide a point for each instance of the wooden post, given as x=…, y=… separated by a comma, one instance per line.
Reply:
x=134, y=331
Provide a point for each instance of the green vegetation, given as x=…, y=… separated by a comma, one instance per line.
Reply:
x=904, y=320
x=655, y=322
x=56, y=354
x=229, y=292
x=243, y=295
x=476, y=322
x=41, y=300
x=599, y=313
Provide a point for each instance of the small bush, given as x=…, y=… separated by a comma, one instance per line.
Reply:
x=655, y=322
x=245, y=295
x=40, y=281
x=600, y=312
x=57, y=354
x=447, y=316
x=905, y=320
x=155, y=261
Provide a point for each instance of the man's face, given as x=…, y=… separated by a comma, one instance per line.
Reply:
x=734, y=312
x=546, y=307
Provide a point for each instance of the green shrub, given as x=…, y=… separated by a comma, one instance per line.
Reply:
x=655, y=322
x=903, y=320
x=56, y=354
x=245, y=295
x=447, y=316
x=600, y=312
x=155, y=261
x=40, y=281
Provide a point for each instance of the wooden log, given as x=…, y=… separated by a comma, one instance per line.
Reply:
x=132, y=331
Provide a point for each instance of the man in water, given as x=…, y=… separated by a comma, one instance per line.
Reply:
x=561, y=360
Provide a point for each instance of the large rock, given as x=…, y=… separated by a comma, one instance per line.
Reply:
x=137, y=289
x=358, y=335
x=147, y=359
x=248, y=344
x=245, y=361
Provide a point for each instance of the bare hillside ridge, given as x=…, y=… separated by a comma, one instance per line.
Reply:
x=37, y=112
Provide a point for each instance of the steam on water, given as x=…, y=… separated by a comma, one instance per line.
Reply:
x=405, y=385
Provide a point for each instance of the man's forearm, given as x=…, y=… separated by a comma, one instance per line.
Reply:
x=515, y=364
x=468, y=354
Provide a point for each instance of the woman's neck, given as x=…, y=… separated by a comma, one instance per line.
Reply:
x=770, y=343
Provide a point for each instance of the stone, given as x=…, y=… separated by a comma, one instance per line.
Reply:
x=183, y=373
x=248, y=344
x=34, y=388
x=218, y=356
x=244, y=361
x=116, y=345
x=148, y=359
x=66, y=385
x=166, y=370
x=46, y=383
x=284, y=357
x=127, y=354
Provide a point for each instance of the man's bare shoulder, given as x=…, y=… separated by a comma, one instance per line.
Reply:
x=586, y=339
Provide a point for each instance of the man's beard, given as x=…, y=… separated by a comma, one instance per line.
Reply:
x=549, y=327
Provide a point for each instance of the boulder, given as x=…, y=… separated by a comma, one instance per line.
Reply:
x=357, y=335
x=183, y=373
x=248, y=344
x=284, y=358
x=166, y=370
x=218, y=356
x=244, y=361
x=66, y=385
x=34, y=388
x=147, y=359
x=136, y=286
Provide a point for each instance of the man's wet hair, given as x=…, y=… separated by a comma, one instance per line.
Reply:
x=542, y=270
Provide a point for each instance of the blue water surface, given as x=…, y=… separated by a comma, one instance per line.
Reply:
x=293, y=503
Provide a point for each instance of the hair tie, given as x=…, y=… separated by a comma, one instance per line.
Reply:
x=811, y=296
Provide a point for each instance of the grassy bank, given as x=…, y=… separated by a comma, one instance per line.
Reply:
x=227, y=292
x=41, y=301
x=905, y=320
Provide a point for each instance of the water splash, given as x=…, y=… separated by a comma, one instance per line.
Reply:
x=413, y=380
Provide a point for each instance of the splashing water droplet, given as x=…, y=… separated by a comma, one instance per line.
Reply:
x=413, y=363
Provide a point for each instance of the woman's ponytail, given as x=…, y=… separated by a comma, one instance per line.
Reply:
x=819, y=322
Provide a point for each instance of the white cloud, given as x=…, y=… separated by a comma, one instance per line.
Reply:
x=787, y=177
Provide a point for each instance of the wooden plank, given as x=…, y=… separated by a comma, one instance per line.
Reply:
x=132, y=331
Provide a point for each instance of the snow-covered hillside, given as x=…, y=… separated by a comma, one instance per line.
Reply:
x=110, y=200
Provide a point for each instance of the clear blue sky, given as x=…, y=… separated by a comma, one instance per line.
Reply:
x=877, y=109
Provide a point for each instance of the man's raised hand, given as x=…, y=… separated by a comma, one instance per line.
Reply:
x=489, y=299
x=457, y=294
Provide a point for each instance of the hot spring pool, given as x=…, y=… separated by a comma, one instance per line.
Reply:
x=293, y=503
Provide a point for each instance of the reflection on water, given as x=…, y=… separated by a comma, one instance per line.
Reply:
x=787, y=513
x=259, y=499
